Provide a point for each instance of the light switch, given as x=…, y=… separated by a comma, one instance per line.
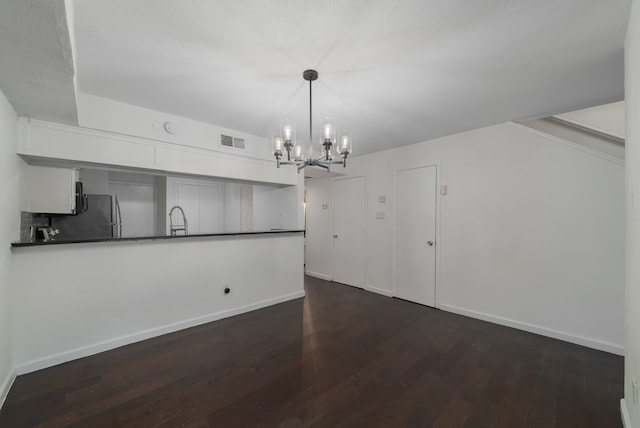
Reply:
x=382, y=198
x=380, y=215
x=443, y=189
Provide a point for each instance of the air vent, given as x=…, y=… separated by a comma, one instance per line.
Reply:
x=238, y=143
x=226, y=140
x=229, y=141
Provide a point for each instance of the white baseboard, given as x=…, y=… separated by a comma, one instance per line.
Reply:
x=579, y=340
x=377, y=290
x=95, y=348
x=318, y=275
x=625, y=415
x=6, y=386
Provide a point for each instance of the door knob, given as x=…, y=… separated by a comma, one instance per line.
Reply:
x=430, y=243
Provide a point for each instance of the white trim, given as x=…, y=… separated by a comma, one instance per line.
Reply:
x=569, y=143
x=377, y=290
x=85, y=351
x=532, y=328
x=588, y=127
x=319, y=275
x=6, y=386
x=624, y=414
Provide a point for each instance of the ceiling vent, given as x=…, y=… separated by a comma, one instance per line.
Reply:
x=226, y=140
x=238, y=143
x=229, y=141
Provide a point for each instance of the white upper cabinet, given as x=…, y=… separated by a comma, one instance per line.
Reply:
x=51, y=141
x=51, y=190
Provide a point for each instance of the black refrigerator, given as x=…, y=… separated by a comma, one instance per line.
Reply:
x=100, y=220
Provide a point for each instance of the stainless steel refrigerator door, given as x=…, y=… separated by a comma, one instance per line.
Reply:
x=94, y=223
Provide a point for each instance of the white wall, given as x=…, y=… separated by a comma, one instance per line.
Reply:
x=631, y=407
x=278, y=207
x=114, y=116
x=95, y=181
x=86, y=298
x=530, y=234
x=11, y=173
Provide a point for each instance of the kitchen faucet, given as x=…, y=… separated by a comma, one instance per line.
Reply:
x=175, y=228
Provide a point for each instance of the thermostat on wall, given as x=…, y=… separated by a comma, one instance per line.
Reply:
x=170, y=128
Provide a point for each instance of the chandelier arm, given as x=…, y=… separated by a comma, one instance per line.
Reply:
x=321, y=165
x=324, y=162
x=293, y=162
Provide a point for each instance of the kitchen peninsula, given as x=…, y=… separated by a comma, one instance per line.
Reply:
x=76, y=297
x=34, y=243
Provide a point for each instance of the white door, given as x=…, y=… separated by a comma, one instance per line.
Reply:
x=202, y=207
x=416, y=235
x=349, y=231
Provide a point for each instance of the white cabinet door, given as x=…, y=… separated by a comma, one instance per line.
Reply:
x=415, y=268
x=202, y=205
x=349, y=232
x=51, y=190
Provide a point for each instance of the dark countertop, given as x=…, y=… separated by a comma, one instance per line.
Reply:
x=146, y=238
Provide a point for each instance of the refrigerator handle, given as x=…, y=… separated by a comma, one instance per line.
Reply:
x=118, y=222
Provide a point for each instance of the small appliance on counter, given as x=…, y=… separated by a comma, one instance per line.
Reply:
x=101, y=219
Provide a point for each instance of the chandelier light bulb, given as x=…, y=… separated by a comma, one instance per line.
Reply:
x=288, y=132
x=298, y=152
x=277, y=144
x=344, y=144
x=328, y=131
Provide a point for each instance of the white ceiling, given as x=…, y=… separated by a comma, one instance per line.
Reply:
x=36, y=59
x=395, y=72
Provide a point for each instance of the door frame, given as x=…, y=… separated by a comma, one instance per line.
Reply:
x=364, y=220
x=436, y=285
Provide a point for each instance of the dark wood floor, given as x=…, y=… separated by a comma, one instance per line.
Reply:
x=341, y=357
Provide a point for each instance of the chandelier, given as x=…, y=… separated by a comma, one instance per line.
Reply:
x=285, y=140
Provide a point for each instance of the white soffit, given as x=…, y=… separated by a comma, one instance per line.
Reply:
x=395, y=72
x=36, y=59
x=608, y=119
